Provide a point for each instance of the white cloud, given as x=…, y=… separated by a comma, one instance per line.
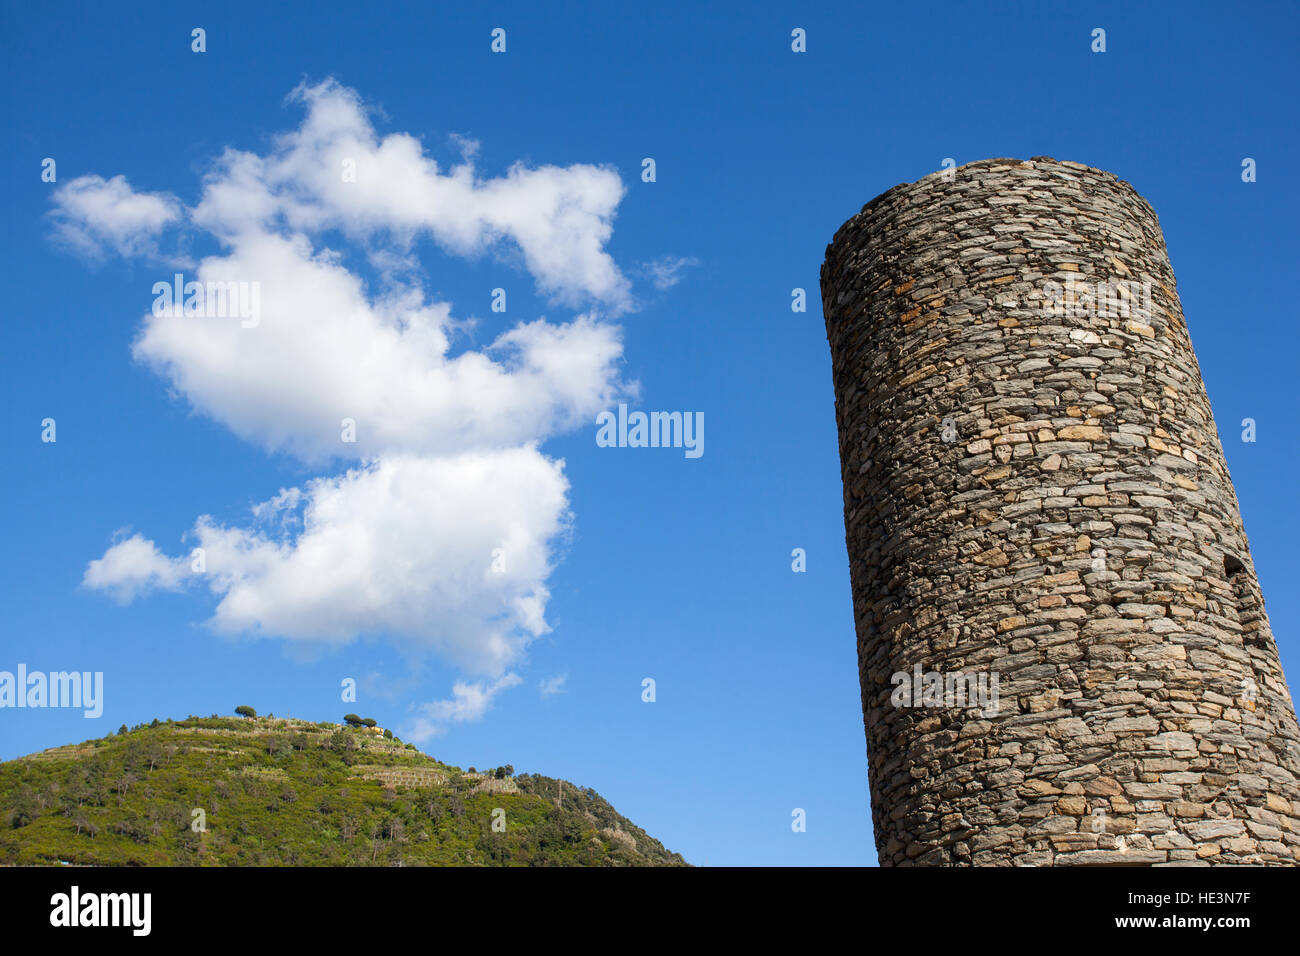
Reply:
x=665, y=272
x=98, y=216
x=323, y=351
x=467, y=145
x=559, y=218
x=325, y=348
x=403, y=547
x=551, y=686
x=446, y=467
x=469, y=702
x=133, y=567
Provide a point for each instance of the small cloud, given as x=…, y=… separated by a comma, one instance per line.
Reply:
x=467, y=145
x=553, y=685
x=98, y=216
x=469, y=702
x=665, y=271
x=134, y=567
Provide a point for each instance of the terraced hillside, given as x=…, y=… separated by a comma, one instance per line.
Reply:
x=217, y=791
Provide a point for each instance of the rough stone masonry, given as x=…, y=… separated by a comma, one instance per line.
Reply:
x=1034, y=488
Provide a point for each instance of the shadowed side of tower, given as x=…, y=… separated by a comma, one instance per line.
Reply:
x=1063, y=651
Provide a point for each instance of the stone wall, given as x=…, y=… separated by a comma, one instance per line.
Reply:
x=1036, y=493
x=489, y=784
x=403, y=776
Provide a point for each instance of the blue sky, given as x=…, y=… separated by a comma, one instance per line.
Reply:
x=671, y=568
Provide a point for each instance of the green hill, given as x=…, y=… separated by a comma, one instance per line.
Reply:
x=229, y=791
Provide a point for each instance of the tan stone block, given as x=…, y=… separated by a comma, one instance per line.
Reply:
x=1065, y=577
x=994, y=558
x=918, y=375
x=1074, y=806
x=1080, y=433
x=1103, y=787
x=1277, y=804
x=1037, y=787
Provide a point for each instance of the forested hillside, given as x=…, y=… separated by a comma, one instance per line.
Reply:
x=234, y=791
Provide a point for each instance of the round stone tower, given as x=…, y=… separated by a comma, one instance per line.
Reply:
x=1062, y=646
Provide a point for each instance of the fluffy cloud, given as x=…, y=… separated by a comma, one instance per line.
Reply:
x=322, y=351
x=444, y=554
x=98, y=216
x=334, y=172
x=441, y=536
x=133, y=567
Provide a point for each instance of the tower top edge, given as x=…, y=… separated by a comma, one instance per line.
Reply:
x=990, y=168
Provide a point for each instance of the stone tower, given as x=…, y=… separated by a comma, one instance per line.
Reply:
x=1062, y=647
